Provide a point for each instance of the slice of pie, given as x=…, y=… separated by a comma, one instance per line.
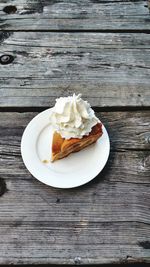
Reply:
x=62, y=147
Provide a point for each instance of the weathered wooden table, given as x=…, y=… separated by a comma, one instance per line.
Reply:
x=52, y=48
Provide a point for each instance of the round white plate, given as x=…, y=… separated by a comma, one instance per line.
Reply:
x=72, y=171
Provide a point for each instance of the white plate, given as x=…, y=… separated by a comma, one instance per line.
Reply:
x=72, y=171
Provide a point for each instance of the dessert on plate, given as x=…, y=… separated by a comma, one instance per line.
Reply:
x=75, y=126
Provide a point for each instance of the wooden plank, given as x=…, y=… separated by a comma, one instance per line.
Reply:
x=128, y=167
x=114, y=69
x=128, y=130
x=130, y=146
x=74, y=15
x=28, y=41
x=39, y=224
x=102, y=201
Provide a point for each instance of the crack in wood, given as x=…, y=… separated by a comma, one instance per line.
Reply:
x=67, y=30
x=118, y=65
x=114, y=109
x=113, y=1
x=70, y=224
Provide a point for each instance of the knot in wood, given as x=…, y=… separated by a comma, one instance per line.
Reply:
x=3, y=188
x=10, y=9
x=148, y=139
x=144, y=244
x=6, y=59
x=77, y=260
x=147, y=162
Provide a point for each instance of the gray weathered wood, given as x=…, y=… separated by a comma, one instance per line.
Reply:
x=128, y=167
x=39, y=224
x=107, y=220
x=28, y=41
x=113, y=69
x=75, y=15
x=130, y=146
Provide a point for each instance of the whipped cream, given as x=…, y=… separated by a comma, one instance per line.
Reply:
x=72, y=117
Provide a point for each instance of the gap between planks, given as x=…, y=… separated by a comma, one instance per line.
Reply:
x=96, y=109
x=82, y=31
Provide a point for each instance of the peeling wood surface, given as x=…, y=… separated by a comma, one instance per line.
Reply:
x=109, y=69
x=52, y=48
x=75, y=15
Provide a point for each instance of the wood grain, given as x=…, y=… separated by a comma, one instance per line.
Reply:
x=130, y=146
x=108, y=69
x=75, y=15
x=102, y=50
x=39, y=224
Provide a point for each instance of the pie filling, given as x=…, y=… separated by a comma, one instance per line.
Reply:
x=62, y=147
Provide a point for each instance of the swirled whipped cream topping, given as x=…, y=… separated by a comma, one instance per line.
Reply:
x=72, y=117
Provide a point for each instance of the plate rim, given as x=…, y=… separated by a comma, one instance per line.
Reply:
x=23, y=140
